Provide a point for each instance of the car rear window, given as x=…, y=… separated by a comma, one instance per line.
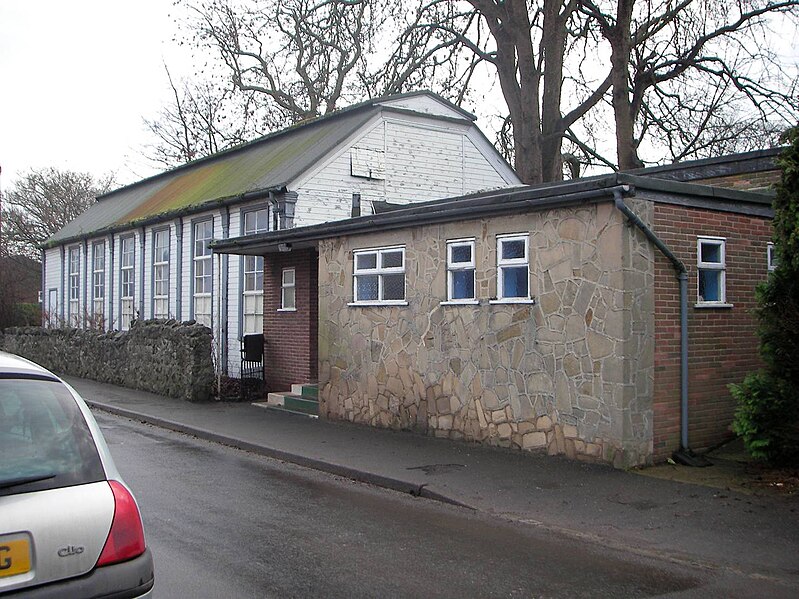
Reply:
x=45, y=442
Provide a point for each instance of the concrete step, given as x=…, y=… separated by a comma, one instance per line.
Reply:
x=306, y=390
x=292, y=402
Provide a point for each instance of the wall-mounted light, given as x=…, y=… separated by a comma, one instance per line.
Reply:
x=284, y=247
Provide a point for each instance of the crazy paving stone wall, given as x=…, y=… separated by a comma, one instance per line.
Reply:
x=570, y=374
x=160, y=356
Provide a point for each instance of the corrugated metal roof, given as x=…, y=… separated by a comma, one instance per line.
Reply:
x=268, y=163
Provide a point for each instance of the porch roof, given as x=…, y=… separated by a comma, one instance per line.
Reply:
x=504, y=201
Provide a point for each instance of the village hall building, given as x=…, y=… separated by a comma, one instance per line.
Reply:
x=142, y=251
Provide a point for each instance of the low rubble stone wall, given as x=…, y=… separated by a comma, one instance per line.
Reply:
x=165, y=357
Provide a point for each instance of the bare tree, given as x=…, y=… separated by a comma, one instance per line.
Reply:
x=41, y=202
x=203, y=119
x=303, y=56
x=694, y=76
x=669, y=78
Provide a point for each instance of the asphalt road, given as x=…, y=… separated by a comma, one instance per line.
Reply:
x=225, y=523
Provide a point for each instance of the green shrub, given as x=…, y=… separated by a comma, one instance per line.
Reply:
x=767, y=417
x=27, y=315
x=768, y=401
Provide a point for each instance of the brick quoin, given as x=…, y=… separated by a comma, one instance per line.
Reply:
x=723, y=344
x=290, y=355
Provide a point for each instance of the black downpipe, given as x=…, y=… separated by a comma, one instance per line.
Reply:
x=684, y=455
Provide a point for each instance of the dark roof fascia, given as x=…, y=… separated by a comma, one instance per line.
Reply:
x=510, y=201
x=500, y=202
x=695, y=195
x=165, y=216
x=732, y=164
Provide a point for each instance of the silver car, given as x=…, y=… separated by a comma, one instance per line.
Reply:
x=69, y=526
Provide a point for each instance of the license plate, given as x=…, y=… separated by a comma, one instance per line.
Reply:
x=15, y=557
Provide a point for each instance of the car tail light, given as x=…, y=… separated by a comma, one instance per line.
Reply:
x=126, y=537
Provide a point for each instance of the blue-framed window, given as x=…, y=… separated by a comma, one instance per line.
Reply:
x=379, y=275
x=127, y=281
x=161, y=273
x=74, y=286
x=461, y=270
x=98, y=281
x=202, y=279
x=254, y=222
x=711, y=267
x=513, y=267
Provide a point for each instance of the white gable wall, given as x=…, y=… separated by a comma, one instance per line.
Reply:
x=424, y=159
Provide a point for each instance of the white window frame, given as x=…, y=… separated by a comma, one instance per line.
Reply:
x=771, y=256
x=380, y=272
x=288, y=290
x=161, y=273
x=252, y=284
x=455, y=267
x=74, y=286
x=503, y=263
x=98, y=279
x=720, y=267
x=202, y=304
x=127, y=281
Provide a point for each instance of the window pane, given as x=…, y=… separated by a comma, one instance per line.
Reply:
x=710, y=285
x=391, y=259
x=288, y=276
x=365, y=261
x=394, y=287
x=461, y=253
x=249, y=282
x=366, y=287
x=512, y=248
x=514, y=281
x=262, y=220
x=288, y=298
x=463, y=284
x=710, y=252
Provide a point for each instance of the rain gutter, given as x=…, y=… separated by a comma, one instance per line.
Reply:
x=684, y=455
x=167, y=215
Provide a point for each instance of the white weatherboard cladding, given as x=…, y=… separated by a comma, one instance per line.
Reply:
x=481, y=172
x=52, y=273
x=424, y=160
x=423, y=164
x=234, y=297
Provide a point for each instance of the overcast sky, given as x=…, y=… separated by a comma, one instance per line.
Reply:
x=76, y=79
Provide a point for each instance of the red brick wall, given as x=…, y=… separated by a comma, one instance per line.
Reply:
x=291, y=337
x=744, y=181
x=722, y=341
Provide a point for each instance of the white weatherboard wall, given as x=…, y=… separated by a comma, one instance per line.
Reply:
x=425, y=159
